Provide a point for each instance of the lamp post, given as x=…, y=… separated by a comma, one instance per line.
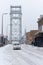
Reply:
x=7, y=28
x=2, y=21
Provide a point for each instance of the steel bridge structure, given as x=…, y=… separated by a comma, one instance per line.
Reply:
x=15, y=24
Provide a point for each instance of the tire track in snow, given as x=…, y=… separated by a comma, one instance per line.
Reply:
x=37, y=59
x=24, y=57
x=21, y=61
x=33, y=53
x=34, y=49
x=10, y=56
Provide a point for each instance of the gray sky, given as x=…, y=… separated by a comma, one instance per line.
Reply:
x=31, y=10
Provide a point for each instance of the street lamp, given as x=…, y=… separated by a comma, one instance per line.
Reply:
x=2, y=21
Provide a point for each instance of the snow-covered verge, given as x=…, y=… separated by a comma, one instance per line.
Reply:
x=28, y=55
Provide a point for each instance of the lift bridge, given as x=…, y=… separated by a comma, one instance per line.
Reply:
x=15, y=24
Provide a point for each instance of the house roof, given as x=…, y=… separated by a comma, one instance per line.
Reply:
x=39, y=34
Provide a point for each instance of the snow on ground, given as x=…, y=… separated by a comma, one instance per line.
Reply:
x=28, y=55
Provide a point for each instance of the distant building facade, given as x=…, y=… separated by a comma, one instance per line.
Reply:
x=40, y=23
x=3, y=40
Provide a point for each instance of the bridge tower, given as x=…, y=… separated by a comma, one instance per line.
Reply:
x=15, y=24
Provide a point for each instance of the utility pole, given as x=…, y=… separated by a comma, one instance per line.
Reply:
x=25, y=37
x=2, y=28
x=2, y=21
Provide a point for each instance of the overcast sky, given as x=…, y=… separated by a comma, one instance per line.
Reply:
x=31, y=10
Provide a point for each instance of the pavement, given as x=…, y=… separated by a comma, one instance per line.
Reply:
x=28, y=55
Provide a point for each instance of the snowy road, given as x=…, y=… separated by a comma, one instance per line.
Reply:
x=28, y=55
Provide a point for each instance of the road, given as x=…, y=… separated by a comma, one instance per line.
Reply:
x=28, y=55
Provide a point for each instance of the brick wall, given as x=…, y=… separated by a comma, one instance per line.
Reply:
x=28, y=38
x=30, y=35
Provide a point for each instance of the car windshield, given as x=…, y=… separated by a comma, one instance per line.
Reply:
x=16, y=44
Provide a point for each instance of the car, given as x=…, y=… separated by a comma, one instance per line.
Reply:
x=16, y=46
x=1, y=44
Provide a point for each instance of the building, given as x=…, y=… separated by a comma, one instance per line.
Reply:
x=38, y=40
x=30, y=36
x=3, y=40
x=33, y=32
x=40, y=23
x=35, y=37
